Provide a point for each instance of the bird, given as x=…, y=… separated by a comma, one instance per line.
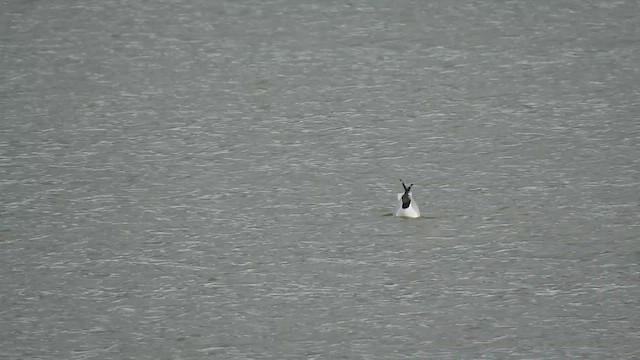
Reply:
x=407, y=207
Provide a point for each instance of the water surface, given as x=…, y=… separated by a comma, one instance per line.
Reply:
x=195, y=179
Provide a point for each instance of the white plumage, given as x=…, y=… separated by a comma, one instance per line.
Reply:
x=407, y=207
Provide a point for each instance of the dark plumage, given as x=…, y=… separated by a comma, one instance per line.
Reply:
x=406, y=200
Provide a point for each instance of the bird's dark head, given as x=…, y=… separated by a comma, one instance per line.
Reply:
x=406, y=188
x=406, y=199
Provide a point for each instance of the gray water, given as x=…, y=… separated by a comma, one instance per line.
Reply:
x=214, y=179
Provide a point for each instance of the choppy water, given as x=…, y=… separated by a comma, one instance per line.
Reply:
x=211, y=179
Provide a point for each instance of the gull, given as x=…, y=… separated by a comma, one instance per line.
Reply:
x=407, y=208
